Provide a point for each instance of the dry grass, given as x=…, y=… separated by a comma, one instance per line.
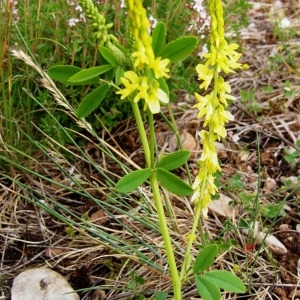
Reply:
x=31, y=237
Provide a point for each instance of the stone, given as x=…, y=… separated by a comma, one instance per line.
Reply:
x=42, y=284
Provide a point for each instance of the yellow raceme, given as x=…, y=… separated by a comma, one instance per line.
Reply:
x=222, y=57
x=142, y=82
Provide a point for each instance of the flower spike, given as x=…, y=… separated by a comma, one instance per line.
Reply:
x=222, y=57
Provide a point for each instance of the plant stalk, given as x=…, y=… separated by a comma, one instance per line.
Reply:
x=150, y=161
x=197, y=222
x=142, y=133
x=166, y=237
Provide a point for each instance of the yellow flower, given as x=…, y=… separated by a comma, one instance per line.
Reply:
x=131, y=83
x=205, y=74
x=228, y=57
x=205, y=200
x=140, y=56
x=150, y=92
x=223, y=89
x=154, y=97
x=209, y=153
x=142, y=89
x=236, y=268
x=190, y=236
x=159, y=67
x=218, y=121
x=211, y=187
x=204, y=106
x=230, y=51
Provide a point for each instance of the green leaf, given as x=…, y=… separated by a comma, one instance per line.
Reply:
x=206, y=258
x=172, y=183
x=158, y=37
x=226, y=280
x=109, y=56
x=132, y=181
x=62, y=74
x=224, y=247
x=273, y=210
x=119, y=74
x=89, y=73
x=91, y=101
x=163, y=85
x=174, y=160
x=180, y=48
x=207, y=290
x=160, y=296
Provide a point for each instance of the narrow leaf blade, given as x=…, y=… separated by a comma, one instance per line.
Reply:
x=206, y=258
x=132, y=181
x=226, y=280
x=92, y=101
x=207, y=290
x=172, y=183
x=174, y=160
x=89, y=73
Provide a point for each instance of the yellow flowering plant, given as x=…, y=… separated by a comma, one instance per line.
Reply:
x=221, y=58
x=139, y=74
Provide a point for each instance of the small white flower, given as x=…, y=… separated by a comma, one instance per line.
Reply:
x=203, y=51
x=79, y=8
x=82, y=18
x=152, y=21
x=198, y=6
x=122, y=4
x=285, y=23
x=72, y=22
x=202, y=21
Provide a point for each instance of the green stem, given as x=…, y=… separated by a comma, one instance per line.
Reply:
x=151, y=138
x=142, y=133
x=196, y=222
x=161, y=214
x=166, y=237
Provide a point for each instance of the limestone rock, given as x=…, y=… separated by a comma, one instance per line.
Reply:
x=41, y=284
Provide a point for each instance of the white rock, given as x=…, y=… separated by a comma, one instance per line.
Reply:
x=273, y=244
x=222, y=206
x=292, y=179
x=41, y=284
x=188, y=141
